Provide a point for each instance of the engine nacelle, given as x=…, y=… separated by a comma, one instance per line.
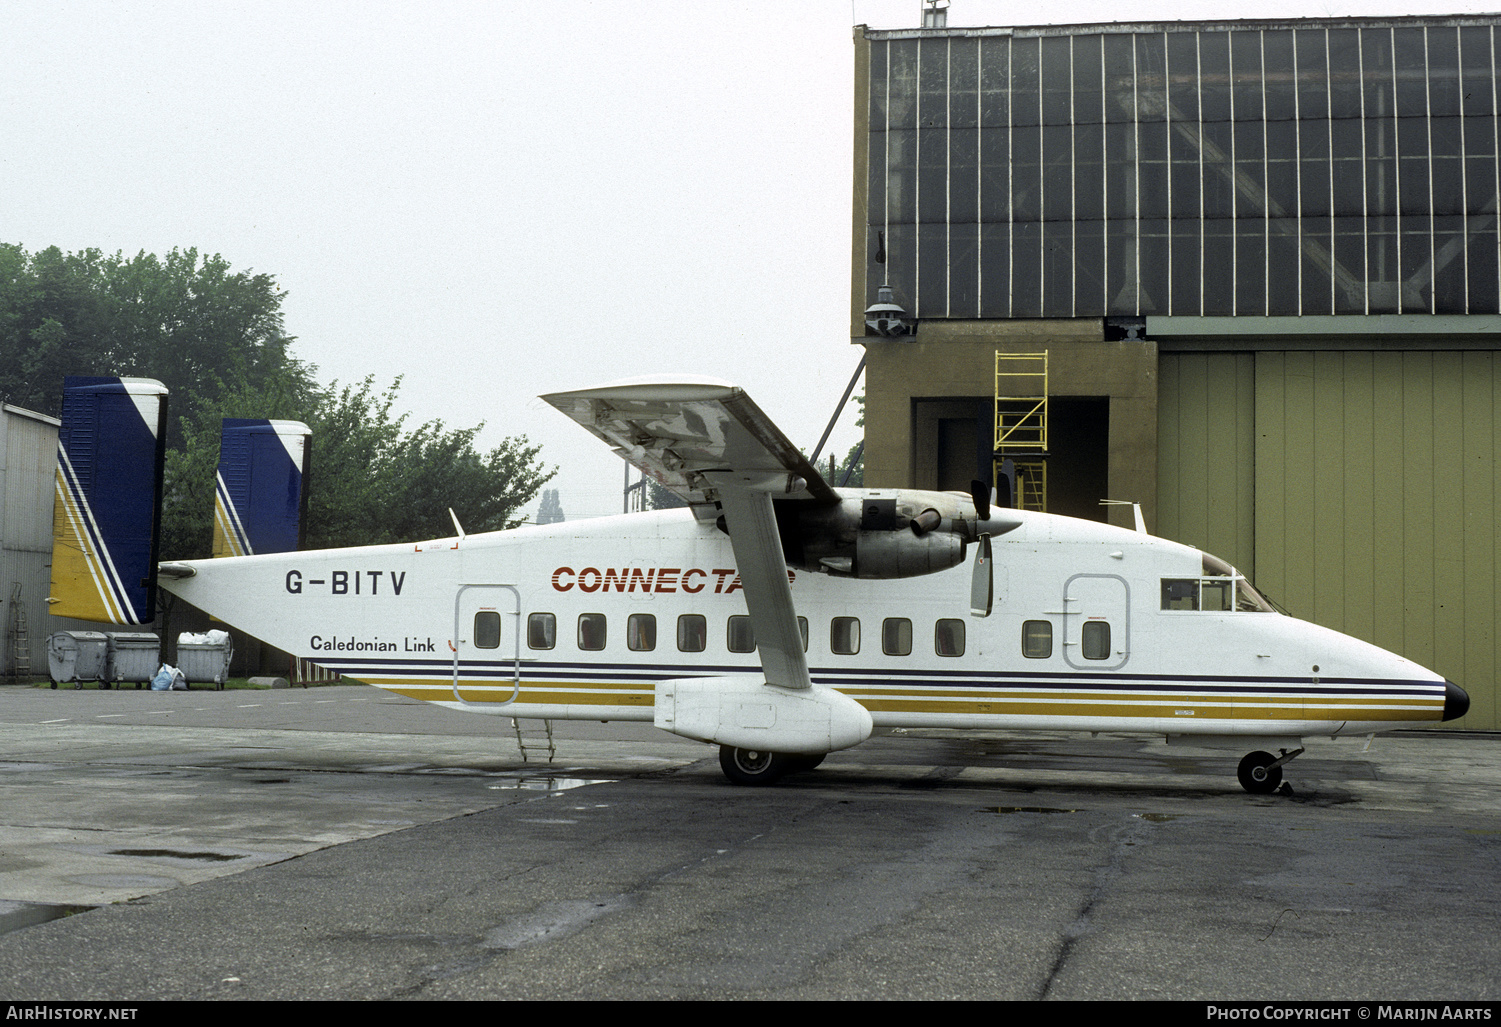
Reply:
x=880, y=533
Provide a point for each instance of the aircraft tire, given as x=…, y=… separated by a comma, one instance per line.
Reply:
x=754, y=766
x=807, y=762
x=1257, y=775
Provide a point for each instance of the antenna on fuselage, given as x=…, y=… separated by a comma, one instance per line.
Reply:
x=1141, y=523
x=456, y=525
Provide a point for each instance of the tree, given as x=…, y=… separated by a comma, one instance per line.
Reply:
x=551, y=509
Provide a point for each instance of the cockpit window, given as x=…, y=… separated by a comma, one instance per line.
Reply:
x=1222, y=589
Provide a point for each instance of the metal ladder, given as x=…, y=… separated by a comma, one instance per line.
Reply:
x=534, y=739
x=20, y=635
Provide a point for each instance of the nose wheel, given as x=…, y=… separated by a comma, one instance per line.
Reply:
x=1260, y=773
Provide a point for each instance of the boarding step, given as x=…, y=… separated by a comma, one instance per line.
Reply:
x=533, y=738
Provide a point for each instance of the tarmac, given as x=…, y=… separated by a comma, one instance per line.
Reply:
x=343, y=842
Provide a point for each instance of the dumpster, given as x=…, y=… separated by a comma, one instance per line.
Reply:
x=76, y=656
x=133, y=656
x=205, y=658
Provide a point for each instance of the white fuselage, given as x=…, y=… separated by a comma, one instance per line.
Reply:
x=591, y=615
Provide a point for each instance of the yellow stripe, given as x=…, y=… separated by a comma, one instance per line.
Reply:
x=226, y=543
x=79, y=580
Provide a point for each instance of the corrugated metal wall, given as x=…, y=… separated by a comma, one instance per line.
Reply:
x=1370, y=479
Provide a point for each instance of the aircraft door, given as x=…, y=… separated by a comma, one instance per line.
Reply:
x=486, y=644
x=1097, y=621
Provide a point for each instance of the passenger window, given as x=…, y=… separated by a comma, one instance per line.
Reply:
x=693, y=633
x=1096, y=640
x=948, y=637
x=641, y=632
x=591, y=631
x=740, y=638
x=487, y=630
x=1037, y=639
x=541, y=631
x=802, y=627
x=844, y=635
x=896, y=636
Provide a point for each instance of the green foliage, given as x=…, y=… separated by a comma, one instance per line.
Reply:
x=215, y=338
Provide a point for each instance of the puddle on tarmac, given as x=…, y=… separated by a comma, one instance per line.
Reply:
x=545, y=783
x=16, y=915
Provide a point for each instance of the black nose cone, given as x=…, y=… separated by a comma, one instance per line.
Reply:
x=1456, y=701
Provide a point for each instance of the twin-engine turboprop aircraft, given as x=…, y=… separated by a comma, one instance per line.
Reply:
x=783, y=619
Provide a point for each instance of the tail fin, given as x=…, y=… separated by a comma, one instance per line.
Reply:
x=109, y=496
x=259, y=499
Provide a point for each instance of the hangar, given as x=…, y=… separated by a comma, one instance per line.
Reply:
x=1261, y=258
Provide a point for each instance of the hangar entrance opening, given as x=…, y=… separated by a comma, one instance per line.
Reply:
x=952, y=438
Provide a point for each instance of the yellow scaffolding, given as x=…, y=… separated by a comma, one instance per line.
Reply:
x=1021, y=424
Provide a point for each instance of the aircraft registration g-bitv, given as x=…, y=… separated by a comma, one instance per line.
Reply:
x=783, y=619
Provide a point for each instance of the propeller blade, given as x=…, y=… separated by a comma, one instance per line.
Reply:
x=979, y=491
x=982, y=580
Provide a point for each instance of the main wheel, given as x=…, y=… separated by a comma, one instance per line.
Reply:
x=1257, y=775
x=753, y=766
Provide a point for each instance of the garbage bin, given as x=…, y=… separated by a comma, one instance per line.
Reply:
x=76, y=656
x=133, y=656
x=205, y=658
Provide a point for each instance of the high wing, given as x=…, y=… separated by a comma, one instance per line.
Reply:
x=708, y=442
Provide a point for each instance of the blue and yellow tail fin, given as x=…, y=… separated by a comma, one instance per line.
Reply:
x=259, y=499
x=110, y=449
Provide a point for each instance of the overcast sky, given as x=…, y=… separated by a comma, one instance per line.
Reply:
x=492, y=199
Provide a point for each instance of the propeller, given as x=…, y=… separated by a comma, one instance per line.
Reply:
x=979, y=491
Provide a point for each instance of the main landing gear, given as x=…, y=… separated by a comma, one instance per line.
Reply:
x=1260, y=773
x=759, y=767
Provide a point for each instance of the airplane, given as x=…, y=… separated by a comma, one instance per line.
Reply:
x=783, y=619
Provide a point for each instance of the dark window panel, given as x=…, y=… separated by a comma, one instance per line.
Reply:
x=1480, y=186
x=901, y=262
x=873, y=272
x=1185, y=270
x=1025, y=82
x=878, y=52
x=1219, y=180
x=1058, y=269
x=933, y=82
x=1448, y=186
x=1344, y=73
x=1026, y=177
x=964, y=71
x=1412, y=137
x=995, y=81
x=1479, y=135
x=1313, y=73
x=995, y=174
x=1410, y=58
x=1313, y=139
x=1381, y=167
x=964, y=187
x=1219, y=267
x=964, y=270
x=1151, y=148
x=932, y=176
x=1444, y=98
x=901, y=181
x=1281, y=91
x=1246, y=83
x=1449, y=265
x=1349, y=168
x=1089, y=95
x=1151, y=77
x=1284, y=260
x=1349, y=256
x=1183, y=75
x=1250, y=264
x=1026, y=269
x=1154, y=266
x=1313, y=194
x=1120, y=82
x=1120, y=267
x=1089, y=171
x=876, y=197
x=1057, y=78
x=995, y=270
x=932, y=269
x=1413, y=196
x=1089, y=268
x=1376, y=54
x=903, y=84
x=1214, y=76
x=1476, y=81
x=1282, y=167
x=1318, y=276
x=1120, y=171
x=1183, y=180
x=1482, y=266
x=1382, y=270
x=1416, y=260
x=1057, y=182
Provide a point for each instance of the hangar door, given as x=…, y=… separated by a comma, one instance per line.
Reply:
x=1359, y=489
